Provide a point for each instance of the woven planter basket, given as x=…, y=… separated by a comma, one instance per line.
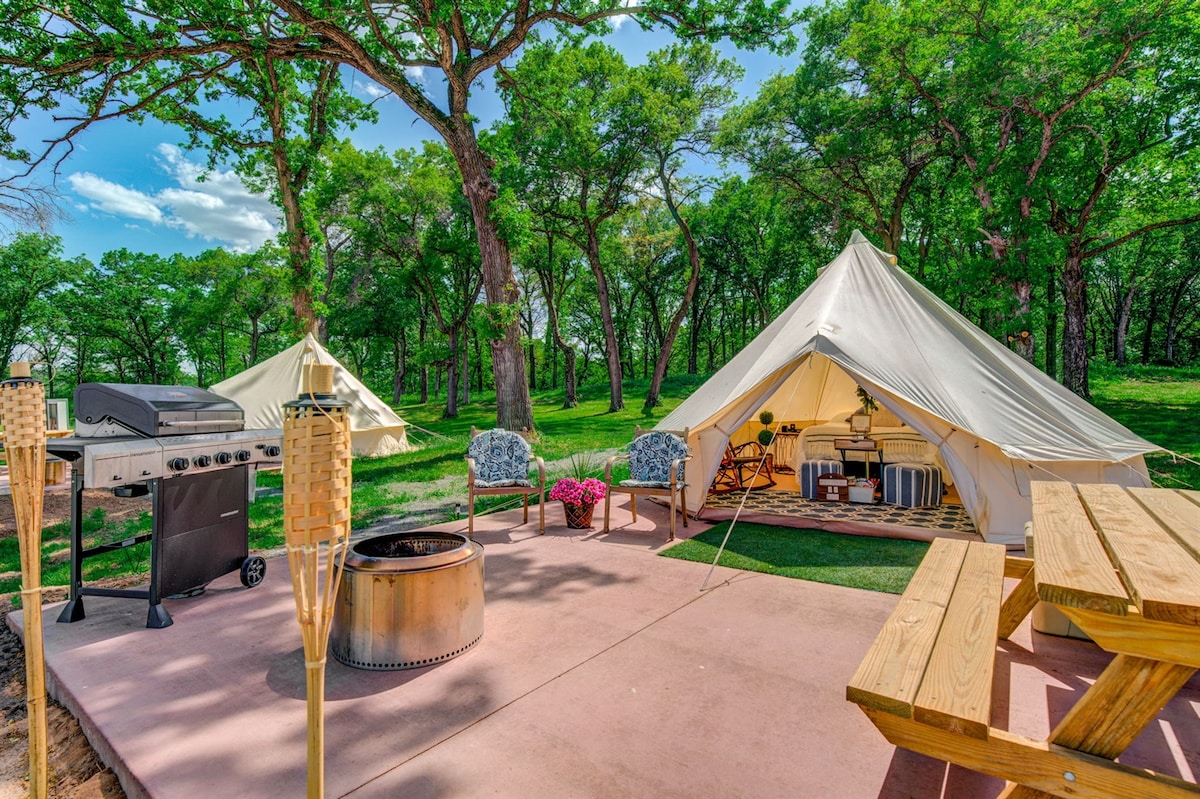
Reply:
x=579, y=517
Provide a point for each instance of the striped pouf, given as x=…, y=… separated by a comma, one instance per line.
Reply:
x=912, y=485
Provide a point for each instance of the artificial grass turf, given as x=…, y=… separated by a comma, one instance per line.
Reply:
x=874, y=564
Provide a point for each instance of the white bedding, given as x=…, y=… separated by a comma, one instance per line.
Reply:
x=896, y=444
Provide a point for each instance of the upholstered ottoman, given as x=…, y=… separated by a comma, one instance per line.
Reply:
x=809, y=471
x=912, y=485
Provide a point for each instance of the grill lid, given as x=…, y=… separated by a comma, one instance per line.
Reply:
x=111, y=409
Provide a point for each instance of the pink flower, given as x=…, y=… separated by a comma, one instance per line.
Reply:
x=575, y=492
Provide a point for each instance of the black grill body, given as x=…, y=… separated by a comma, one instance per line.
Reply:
x=205, y=531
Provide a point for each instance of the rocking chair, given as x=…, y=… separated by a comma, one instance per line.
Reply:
x=744, y=467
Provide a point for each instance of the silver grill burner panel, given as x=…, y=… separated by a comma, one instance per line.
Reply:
x=408, y=600
x=111, y=463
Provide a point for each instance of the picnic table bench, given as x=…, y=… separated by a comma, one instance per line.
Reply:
x=1123, y=564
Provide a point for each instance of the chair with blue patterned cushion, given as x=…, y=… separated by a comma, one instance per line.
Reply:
x=498, y=463
x=657, y=459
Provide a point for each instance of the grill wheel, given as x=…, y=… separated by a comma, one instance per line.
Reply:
x=254, y=569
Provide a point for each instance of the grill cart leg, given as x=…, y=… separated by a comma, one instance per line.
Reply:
x=73, y=610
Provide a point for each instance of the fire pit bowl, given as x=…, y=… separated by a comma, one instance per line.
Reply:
x=408, y=600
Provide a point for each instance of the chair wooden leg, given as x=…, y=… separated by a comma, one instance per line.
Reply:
x=526, y=519
x=607, y=499
x=471, y=516
x=672, y=536
x=683, y=504
x=541, y=514
x=633, y=505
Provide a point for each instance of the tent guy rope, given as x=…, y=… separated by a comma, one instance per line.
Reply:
x=746, y=494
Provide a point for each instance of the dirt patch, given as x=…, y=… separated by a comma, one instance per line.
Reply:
x=75, y=772
x=56, y=507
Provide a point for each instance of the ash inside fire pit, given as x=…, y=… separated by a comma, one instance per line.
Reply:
x=388, y=548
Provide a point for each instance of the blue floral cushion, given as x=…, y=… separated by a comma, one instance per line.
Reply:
x=650, y=457
x=501, y=459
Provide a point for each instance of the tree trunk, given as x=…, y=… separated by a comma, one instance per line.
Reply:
x=452, y=378
x=616, y=397
x=399, y=359
x=1121, y=324
x=668, y=339
x=570, y=397
x=422, y=331
x=1075, y=351
x=466, y=375
x=1148, y=325
x=514, y=409
x=296, y=236
x=1051, y=348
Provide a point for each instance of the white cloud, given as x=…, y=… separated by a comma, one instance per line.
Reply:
x=371, y=89
x=215, y=206
x=618, y=21
x=113, y=199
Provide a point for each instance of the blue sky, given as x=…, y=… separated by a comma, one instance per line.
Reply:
x=132, y=186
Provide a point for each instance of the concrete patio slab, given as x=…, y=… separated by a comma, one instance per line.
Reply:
x=603, y=671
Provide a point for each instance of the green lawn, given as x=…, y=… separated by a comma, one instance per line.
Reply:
x=876, y=564
x=1162, y=406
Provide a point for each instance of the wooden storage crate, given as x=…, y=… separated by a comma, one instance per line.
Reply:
x=833, y=488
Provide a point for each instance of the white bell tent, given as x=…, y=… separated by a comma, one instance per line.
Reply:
x=261, y=390
x=997, y=421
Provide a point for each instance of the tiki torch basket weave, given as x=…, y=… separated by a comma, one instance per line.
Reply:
x=23, y=414
x=316, y=523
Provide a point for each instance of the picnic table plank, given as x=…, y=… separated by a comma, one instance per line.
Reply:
x=956, y=694
x=888, y=682
x=1160, y=575
x=1178, y=511
x=1072, y=568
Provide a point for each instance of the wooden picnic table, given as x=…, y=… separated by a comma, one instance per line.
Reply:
x=1124, y=565
x=1121, y=563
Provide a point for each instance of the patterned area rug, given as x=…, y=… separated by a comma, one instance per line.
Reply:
x=952, y=518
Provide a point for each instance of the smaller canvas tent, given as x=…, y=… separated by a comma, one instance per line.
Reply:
x=998, y=422
x=261, y=390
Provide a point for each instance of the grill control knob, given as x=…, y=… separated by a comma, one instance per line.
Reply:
x=178, y=464
x=224, y=458
x=202, y=461
x=242, y=455
x=272, y=451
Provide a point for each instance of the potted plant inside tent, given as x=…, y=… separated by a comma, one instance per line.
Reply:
x=766, y=435
x=860, y=422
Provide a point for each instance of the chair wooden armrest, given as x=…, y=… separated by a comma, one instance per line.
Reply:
x=470, y=471
x=608, y=467
x=675, y=464
x=541, y=469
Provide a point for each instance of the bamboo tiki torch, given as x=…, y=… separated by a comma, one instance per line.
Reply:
x=23, y=413
x=316, y=523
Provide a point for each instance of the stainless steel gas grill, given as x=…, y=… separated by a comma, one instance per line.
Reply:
x=186, y=448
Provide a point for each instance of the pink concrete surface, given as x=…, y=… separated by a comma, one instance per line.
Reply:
x=604, y=671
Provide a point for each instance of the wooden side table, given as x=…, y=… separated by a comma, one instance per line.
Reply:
x=866, y=445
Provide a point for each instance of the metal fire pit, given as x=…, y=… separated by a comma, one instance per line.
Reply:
x=408, y=600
